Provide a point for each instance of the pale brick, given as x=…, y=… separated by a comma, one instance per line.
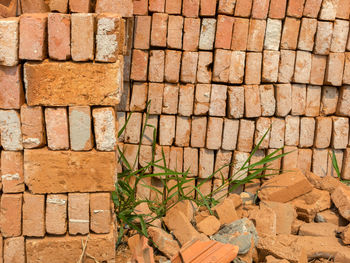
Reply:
x=286, y=66
x=307, y=34
x=183, y=131
x=104, y=127
x=155, y=95
x=302, y=67
x=224, y=32
x=166, y=129
x=214, y=133
x=204, y=71
x=100, y=212
x=312, y=8
x=346, y=164
x=307, y=131
x=328, y=10
x=159, y=29
x=304, y=160
x=10, y=129
x=267, y=100
x=275, y=165
x=273, y=34
x=240, y=34
x=290, y=161
x=175, y=26
x=59, y=36
x=339, y=156
x=189, y=67
x=262, y=128
x=190, y=39
x=57, y=128
x=318, y=69
x=292, y=130
x=33, y=222
x=217, y=106
x=252, y=101
x=222, y=61
x=245, y=135
x=230, y=134
x=170, y=98
x=80, y=134
x=11, y=215
x=156, y=66
x=12, y=172
x=235, y=102
x=198, y=131
x=340, y=35
x=172, y=66
x=207, y=35
x=329, y=100
x=33, y=129
x=56, y=214
x=319, y=162
x=343, y=107
x=335, y=68
x=323, y=38
x=236, y=74
x=176, y=159
x=323, y=132
x=14, y=250
x=131, y=156
x=186, y=98
x=298, y=99
x=191, y=161
x=270, y=66
x=206, y=163
x=78, y=213
x=9, y=32
x=239, y=158
x=346, y=74
x=283, y=99
x=202, y=99
x=290, y=33
x=139, y=96
x=145, y=157
x=222, y=164
x=256, y=35
x=340, y=132
x=253, y=68
x=278, y=127
x=142, y=32
x=313, y=101
x=133, y=128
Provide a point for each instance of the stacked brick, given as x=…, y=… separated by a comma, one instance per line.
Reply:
x=60, y=80
x=220, y=73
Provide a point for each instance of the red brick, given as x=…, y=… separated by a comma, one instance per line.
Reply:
x=202, y=99
x=207, y=36
x=245, y=135
x=237, y=67
x=59, y=6
x=140, y=7
x=170, y=98
x=277, y=9
x=318, y=69
x=159, y=29
x=235, y=102
x=252, y=101
x=307, y=34
x=56, y=214
x=183, y=131
x=190, y=8
x=207, y=7
x=11, y=134
x=311, y=8
x=156, y=66
x=292, y=130
x=240, y=34
x=142, y=32
x=256, y=35
x=270, y=65
x=329, y=100
x=260, y=9
x=9, y=41
x=343, y=108
x=323, y=132
x=173, y=7
x=286, y=66
x=57, y=128
x=307, y=131
x=253, y=68
x=11, y=90
x=204, y=71
x=222, y=61
x=226, y=7
x=175, y=25
x=302, y=67
x=59, y=36
x=335, y=68
x=283, y=99
x=328, y=10
x=78, y=213
x=295, y=8
x=206, y=163
x=133, y=128
x=191, y=161
x=217, y=106
x=14, y=250
x=191, y=34
x=214, y=133
x=32, y=120
x=313, y=100
x=340, y=35
x=100, y=213
x=81, y=6
x=262, y=127
x=33, y=222
x=156, y=5
x=186, y=98
x=290, y=33
x=198, y=131
x=12, y=172
x=224, y=32
x=11, y=215
x=83, y=37
x=230, y=134
x=323, y=38
x=343, y=9
x=172, y=66
x=139, y=65
x=33, y=28
x=243, y=8
x=139, y=96
x=189, y=66
x=167, y=129
x=155, y=95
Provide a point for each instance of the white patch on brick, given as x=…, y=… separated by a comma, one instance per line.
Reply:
x=10, y=177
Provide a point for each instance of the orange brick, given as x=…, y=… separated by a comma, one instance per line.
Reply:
x=175, y=26
x=198, y=131
x=33, y=222
x=81, y=6
x=189, y=67
x=191, y=161
x=57, y=128
x=11, y=215
x=346, y=75
x=156, y=5
x=32, y=120
x=253, y=68
x=283, y=99
x=302, y=67
x=190, y=8
x=214, y=133
x=222, y=61
x=59, y=36
x=236, y=75
x=335, y=68
x=173, y=7
x=156, y=66
x=290, y=33
x=139, y=67
x=252, y=101
x=224, y=32
x=207, y=7
x=186, y=98
x=313, y=100
x=78, y=213
x=343, y=108
x=206, y=163
x=12, y=172
x=260, y=9
x=226, y=7
x=11, y=90
x=170, y=98
x=140, y=7
x=59, y=6
x=245, y=135
x=176, y=159
x=204, y=71
x=183, y=131
x=167, y=129
x=172, y=66
x=159, y=29
x=277, y=9
x=142, y=32
x=100, y=212
x=243, y=8
x=139, y=96
x=155, y=95
x=311, y=8
x=240, y=34
x=191, y=34
x=133, y=128
x=295, y=8
x=323, y=132
x=56, y=214
x=343, y=9
x=256, y=35
x=270, y=65
x=318, y=69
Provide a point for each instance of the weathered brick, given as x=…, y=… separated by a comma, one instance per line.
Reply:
x=222, y=61
x=328, y=10
x=172, y=66
x=133, y=128
x=56, y=120
x=59, y=32
x=319, y=162
x=329, y=100
x=256, y=35
x=292, y=130
x=313, y=101
x=155, y=95
x=273, y=34
x=307, y=131
x=78, y=213
x=198, y=131
x=100, y=83
x=243, y=8
x=189, y=67
x=183, y=131
x=11, y=90
x=204, y=71
x=230, y=134
x=270, y=66
x=318, y=69
x=56, y=214
x=148, y=134
x=267, y=100
x=84, y=6
x=343, y=107
x=283, y=99
x=105, y=129
x=239, y=158
x=307, y=34
x=240, y=34
x=159, y=29
x=235, y=102
x=207, y=35
x=323, y=132
x=80, y=134
x=323, y=38
x=222, y=162
x=186, y=98
x=175, y=26
x=202, y=99
x=100, y=212
x=33, y=222
x=278, y=127
x=190, y=39
x=262, y=128
x=33, y=28
x=340, y=132
x=166, y=129
x=260, y=9
x=253, y=68
x=236, y=74
x=302, y=67
x=142, y=32
x=217, y=106
x=14, y=250
x=190, y=8
x=156, y=66
x=304, y=160
x=340, y=35
x=170, y=98
x=245, y=135
x=214, y=133
x=290, y=33
x=224, y=32
x=191, y=161
x=335, y=68
x=311, y=8
x=252, y=101
x=298, y=99
x=33, y=130
x=12, y=172
x=10, y=129
x=11, y=215
x=286, y=66
x=206, y=163
x=139, y=96
x=9, y=32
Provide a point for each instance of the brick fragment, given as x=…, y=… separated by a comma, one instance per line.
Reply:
x=313, y=100
x=323, y=38
x=59, y=32
x=172, y=66
x=245, y=135
x=243, y=8
x=10, y=129
x=189, y=67
x=292, y=130
x=104, y=127
x=335, y=68
x=270, y=66
x=214, y=133
x=198, y=131
x=253, y=68
x=328, y=10
x=170, y=98
x=277, y=9
x=33, y=223
x=142, y=32
x=329, y=100
x=302, y=67
x=312, y=8
x=290, y=33
x=183, y=131
x=217, y=106
x=206, y=163
x=190, y=8
x=56, y=214
x=173, y=7
x=100, y=212
x=236, y=75
x=256, y=35
x=78, y=213
x=235, y=101
x=33, y=37
x=9, y=31
x=298, y=99
x=175, y=26
x=207, y=34
x=230, y=134
x=202, y=99
x=186, y=98
x=318, y=69
x=56, y=120
x=14, y=250
x=204, y=70
x=307, y=130
x=11, y=215
x=267, y=100
x=190, y=39
x=12, y=172
x=252, y=101
x=262, y=128
x=224, y=32
x=283, y=99
x=340, y=133
x=286, y=66
x=222, y=61
x=133, y=128
x=240, y=34
x=11, y=90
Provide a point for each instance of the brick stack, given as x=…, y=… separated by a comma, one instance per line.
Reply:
x=58, y=92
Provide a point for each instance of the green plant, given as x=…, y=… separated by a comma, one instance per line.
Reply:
x=336, y=168
x=176, y=186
